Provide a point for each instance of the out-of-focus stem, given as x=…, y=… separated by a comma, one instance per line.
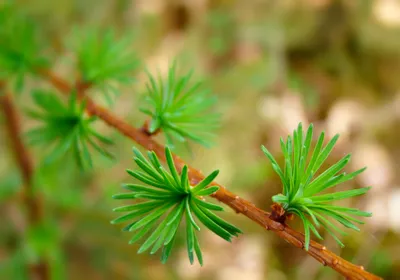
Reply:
x=32, y=202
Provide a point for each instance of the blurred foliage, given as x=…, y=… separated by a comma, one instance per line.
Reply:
x=180, y=110
x=340, y=60
x=9, y=185
x=21, y=49
x=65, y=127
x=103, y=60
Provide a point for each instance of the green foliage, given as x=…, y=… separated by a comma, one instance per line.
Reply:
x=66, y=127
x=301, y=186
x=10, y=185
x=20, y=50
x=168, y=197
x=104, y=60
x=181, y=111
x=15, y=265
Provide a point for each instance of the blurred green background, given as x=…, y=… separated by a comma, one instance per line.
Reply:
x=272, y=64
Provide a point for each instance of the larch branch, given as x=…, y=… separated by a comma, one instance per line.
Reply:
x=239, y=205
x=31, y=200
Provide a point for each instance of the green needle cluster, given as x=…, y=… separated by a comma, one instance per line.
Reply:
x=66, y=127
x=165, y=200
x=20, y=47
x=181, y=110
x=302, y=184
x=104, y=60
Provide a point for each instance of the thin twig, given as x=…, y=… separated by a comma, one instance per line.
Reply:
x=31, y=200
x=239, y=205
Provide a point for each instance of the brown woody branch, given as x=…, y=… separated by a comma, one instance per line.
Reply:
x=31, y=201
x=240, y=205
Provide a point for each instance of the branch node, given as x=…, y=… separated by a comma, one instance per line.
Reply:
x=146, y=129
x=278, y=213
x=81, y=86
